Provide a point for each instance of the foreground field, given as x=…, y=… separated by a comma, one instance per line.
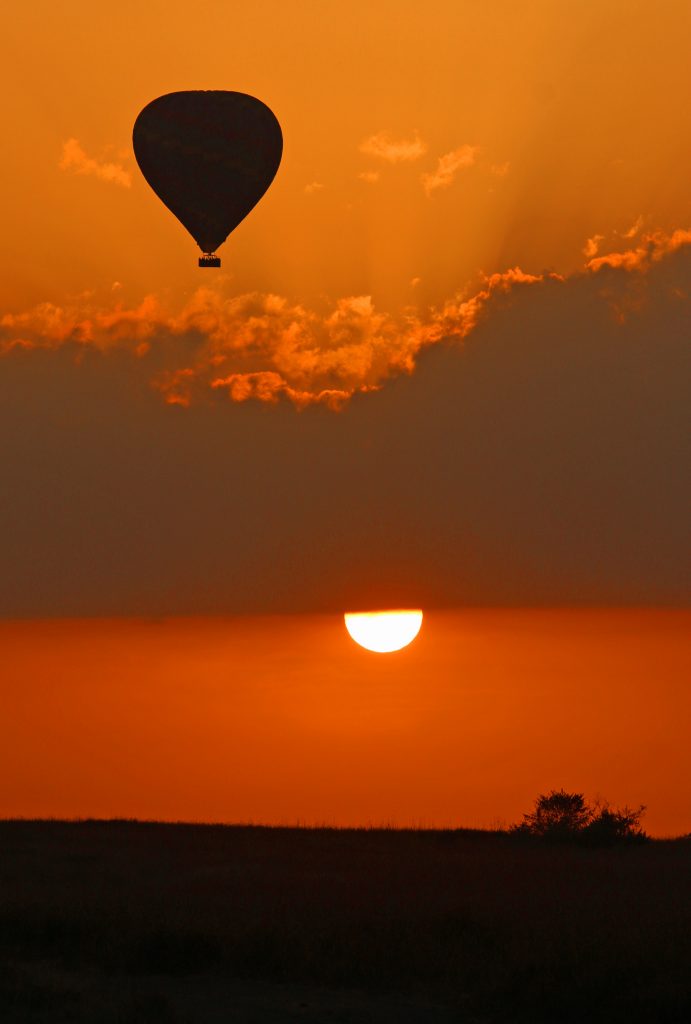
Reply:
x=124, y=922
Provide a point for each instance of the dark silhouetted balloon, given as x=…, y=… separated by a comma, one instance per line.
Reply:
x=210, y=157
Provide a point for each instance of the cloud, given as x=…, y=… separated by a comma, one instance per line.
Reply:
x=634, y=229
x=81, y=324
x=314, y=186
x=592, y=245
x=384, y=146
x=267, y=348
x=268, y=386
x=74, y=159
x=447, y=167
x=255, y=345
x=653, y=247
x=371, y=177
x=535, y=456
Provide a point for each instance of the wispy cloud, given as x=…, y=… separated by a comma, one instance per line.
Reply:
x=592, y=245
x=448, y=166
x=634, y=229
x=385, y=146
x=73, y=158
x=314, y=186
x=652, y=248
x=371, y=177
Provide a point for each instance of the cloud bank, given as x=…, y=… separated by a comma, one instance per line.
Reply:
x=255, y=345
x=541, y=460
x=265, y=347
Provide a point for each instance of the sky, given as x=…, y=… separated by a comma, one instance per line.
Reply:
x=444, y=356
x=282, y=719
x=444, y=363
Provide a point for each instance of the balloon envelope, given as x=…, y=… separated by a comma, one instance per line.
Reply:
x=209, y=156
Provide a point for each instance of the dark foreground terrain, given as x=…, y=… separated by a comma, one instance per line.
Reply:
x=123, y=922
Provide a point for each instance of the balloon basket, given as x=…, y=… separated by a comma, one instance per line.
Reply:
x=209, y=260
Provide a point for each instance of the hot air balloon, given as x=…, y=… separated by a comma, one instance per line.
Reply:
x=210, y=157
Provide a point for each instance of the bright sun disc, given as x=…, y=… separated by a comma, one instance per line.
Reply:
x=384, y=631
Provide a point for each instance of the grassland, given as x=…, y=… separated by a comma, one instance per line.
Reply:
x=135, y=922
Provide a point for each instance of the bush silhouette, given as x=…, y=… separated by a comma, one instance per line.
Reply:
x=613, y=825
x=566, y=817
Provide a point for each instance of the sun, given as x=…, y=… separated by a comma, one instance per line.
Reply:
x=384, y=632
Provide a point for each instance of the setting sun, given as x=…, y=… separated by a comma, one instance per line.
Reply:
x=384, y=632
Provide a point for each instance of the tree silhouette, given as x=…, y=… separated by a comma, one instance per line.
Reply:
x=562, y=816
x=558, y=815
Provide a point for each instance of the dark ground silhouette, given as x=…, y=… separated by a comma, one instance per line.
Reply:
x=132, y=922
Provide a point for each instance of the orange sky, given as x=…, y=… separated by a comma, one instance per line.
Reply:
x=444, y=364
x=574, y=114
x=285, y=719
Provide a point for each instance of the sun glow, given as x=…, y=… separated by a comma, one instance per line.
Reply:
x=384, y=632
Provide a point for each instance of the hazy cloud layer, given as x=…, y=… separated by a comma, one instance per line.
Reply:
x=74, y=159
x=393, y=150
x=255, y=345
x=266, y=347
x=542, y=460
